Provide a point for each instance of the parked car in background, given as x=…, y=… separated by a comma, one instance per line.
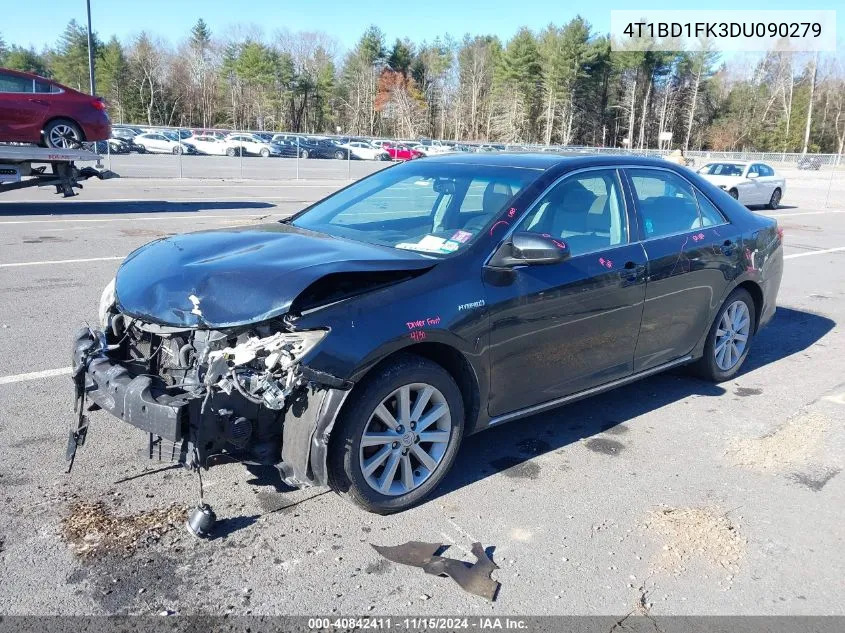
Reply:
x=321, y=148
x=253, y=144
x=749, y=182
x=813, y=163
x=210, y=145
x=365, y=151
x=110, y=146
x=161, y=143
x=345, y=351
x=38, y=110
x=402, y=152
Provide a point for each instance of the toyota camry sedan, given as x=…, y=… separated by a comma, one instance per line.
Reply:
x=355, y=344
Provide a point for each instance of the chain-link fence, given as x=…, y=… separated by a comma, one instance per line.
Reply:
x=816, y=172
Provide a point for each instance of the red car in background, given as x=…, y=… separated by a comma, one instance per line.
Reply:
x=402, y=152
x=38, y=110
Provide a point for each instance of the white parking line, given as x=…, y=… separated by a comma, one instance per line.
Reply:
x=810, y=253
x=784, y=215
x=62, y=261
x=35, y=375
x=146, y=218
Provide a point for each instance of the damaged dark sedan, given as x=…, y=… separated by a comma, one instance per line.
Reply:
x=356, y=343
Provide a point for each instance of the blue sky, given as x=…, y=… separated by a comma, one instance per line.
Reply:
x=40, y=23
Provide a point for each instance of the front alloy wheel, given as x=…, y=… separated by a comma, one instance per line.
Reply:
x=397, y=435
x=405, y=439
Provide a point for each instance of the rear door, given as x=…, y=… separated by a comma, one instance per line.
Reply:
x=562, y=328
x=21, y=110
x=692, y=256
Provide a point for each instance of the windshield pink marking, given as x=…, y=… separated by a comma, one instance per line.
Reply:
x=493, y=228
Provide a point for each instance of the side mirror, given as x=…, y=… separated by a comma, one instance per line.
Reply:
x=753, y=174
x=526, y=249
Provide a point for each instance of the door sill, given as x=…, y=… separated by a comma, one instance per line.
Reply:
x=551, y=404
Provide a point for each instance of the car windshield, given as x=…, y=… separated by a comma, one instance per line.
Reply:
x=722, y=169
x=435, y=208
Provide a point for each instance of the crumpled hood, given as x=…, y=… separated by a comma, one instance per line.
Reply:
x=231, y=277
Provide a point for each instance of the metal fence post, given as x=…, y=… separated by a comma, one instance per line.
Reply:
x=241, y=160
x=348, y=164
x=181, y=149
x=297, y=158
x=108, y=152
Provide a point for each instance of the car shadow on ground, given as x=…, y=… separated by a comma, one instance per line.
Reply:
x=509, y=448
x=109, y=207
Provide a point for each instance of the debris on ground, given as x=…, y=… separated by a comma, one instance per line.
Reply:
x=690, y=533
x=92, y=528
x=473, y=578
x=789, y=445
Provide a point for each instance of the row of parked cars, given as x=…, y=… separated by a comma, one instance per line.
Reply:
x=127, y=139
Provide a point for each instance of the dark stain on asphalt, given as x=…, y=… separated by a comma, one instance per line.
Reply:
x=747, y=391
x=116, y=582
x=614, y=428
x=604, y=446
x=815, y=481
x=44, y=238
x=33, y=441
x=533, y=446
x=270, y=501
x=366, y=529
x=818, y=296
x=516, y=467
x=381, y=566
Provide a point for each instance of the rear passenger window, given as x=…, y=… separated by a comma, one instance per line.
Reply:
x=585, y=210
x=710, y=215
x=665, y=202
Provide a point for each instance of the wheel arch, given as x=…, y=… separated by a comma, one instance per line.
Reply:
x=756, y=293
x=453, y=361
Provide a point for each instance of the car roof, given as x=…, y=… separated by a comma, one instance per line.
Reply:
x=546, y=160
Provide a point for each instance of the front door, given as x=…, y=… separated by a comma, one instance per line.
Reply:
x=562, y=328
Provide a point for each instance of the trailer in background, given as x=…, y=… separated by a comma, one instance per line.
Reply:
x=23, y=166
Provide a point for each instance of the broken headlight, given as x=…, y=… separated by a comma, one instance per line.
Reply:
x=262, y=369
x=107, y=300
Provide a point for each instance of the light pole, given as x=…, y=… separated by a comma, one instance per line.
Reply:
x=91, y=52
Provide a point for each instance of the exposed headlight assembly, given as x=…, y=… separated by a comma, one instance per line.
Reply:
x=107, y=300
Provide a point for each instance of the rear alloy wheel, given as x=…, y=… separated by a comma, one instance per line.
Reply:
x=397, y=435
x=265, y=153
x=177, y=150
x=62, y=134
x=729, y=338
x=733, y=193
x=141, y=149
x=303, y=153
x=339, y=155
x=774, y=203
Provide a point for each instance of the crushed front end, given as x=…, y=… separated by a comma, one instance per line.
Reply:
x=205, y=394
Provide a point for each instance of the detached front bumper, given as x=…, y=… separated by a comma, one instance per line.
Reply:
x=298, y=449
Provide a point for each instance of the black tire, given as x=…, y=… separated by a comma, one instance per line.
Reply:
x=733, y=193
x=774, y=202
x=303, y=153
x=231, y=152
x=265, y=153
x=72, y=128
x=177, y=149
x=706, y=366
x=344, y=468
x=339, y=155
x=141, y=149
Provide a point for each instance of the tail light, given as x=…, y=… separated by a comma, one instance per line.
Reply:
x=99, y=104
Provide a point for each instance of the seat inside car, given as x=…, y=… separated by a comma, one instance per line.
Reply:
x=496, y=196
x=665, y=215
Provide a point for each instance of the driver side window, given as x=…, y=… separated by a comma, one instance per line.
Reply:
x=585, y=210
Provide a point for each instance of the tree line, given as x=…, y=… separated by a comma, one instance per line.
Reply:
x=561, y=85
